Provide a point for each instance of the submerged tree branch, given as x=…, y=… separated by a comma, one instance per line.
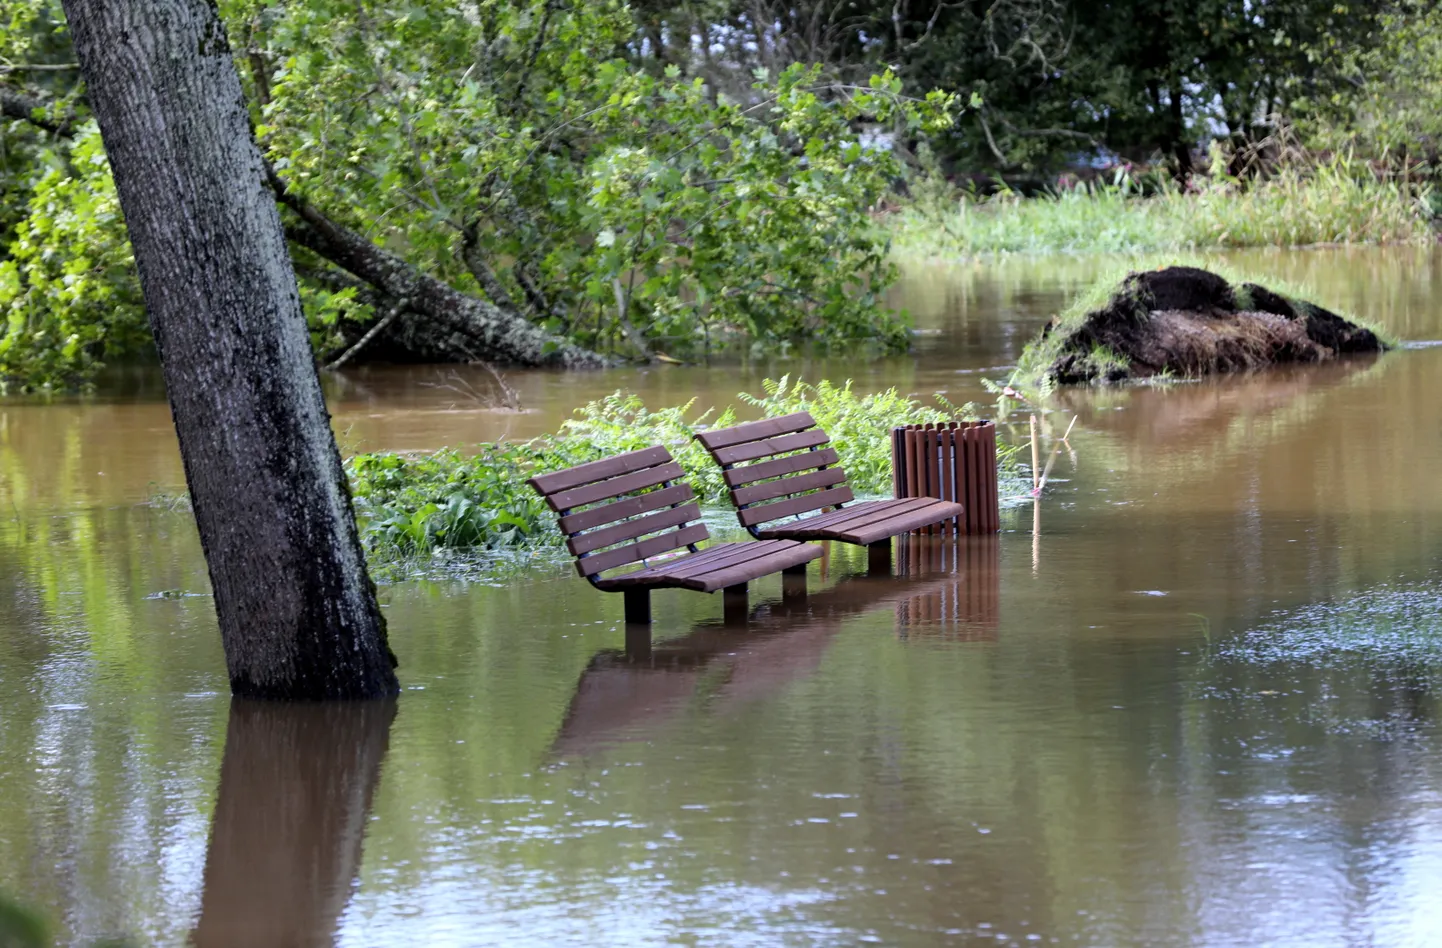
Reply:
x=27, y=108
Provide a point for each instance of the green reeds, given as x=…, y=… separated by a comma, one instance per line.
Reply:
x=1338, y=201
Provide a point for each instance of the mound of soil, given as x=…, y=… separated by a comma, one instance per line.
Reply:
x=1190, y=322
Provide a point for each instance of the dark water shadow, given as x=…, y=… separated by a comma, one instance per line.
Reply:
x=296, y=785
x=625, y=694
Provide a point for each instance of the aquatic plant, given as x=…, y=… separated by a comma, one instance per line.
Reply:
x=414, y=504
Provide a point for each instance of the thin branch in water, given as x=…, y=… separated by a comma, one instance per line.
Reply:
x=371, y=333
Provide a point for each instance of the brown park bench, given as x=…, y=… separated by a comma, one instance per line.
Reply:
x=782, y=468
x=626, y=510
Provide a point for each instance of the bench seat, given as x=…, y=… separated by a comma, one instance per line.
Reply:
x=633, y=525
x=717, y=567
x=865, y=522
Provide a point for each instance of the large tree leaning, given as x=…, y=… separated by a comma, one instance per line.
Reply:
x=298, y=613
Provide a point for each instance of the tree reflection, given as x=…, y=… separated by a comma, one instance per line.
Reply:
x=296, y=785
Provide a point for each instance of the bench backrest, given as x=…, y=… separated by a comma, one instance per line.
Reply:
x=623, y=510
x=780, y=467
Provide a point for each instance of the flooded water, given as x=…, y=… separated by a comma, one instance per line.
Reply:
x=1191, y=697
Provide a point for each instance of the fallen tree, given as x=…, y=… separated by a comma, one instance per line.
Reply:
x=505, y=187
x=427, y=320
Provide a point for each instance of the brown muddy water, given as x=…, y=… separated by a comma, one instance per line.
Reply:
x=1189, y=698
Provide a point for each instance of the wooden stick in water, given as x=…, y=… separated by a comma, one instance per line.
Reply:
x=1035, y=458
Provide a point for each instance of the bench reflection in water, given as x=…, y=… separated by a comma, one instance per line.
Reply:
x=945, y=588
x=966, y=607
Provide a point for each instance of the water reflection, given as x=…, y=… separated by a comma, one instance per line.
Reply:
x=720, y=667
x=296, y=784
x=966, y=607
x=1202, y=706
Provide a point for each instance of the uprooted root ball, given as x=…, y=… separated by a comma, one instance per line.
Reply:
x=1189, y=322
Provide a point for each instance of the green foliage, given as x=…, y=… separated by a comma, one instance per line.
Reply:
x=514, y=151
x=1057, y=80
x=420, y=504
x=518, y=154
x=68, y=292
x=1338, y=201
x=1391, y=107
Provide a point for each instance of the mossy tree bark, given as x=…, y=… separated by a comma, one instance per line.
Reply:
x=297, y=611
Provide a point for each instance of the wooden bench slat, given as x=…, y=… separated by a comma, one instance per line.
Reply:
x=739, y=553
x=898, y=523
x=874, y=512
x=641, y=549
x=668, y=568
x=764, y=449
x=593, y=471
x=858, y=509
x=794, y=484
x=614, y=487
x=741, y=476
x=874, y=520
x=725, y=564
x=754, y=567
x=763, y=513
x=755, y=430
x=631, y=529
x=621, y=509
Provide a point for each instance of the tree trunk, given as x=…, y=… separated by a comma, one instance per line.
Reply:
x=297, y=611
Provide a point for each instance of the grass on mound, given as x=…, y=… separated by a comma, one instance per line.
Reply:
x=1030, y=373
x=1336, y=202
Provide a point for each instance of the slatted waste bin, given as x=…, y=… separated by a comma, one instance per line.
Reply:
x=954, y=461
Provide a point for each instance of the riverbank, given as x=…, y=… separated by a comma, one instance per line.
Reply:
x=1327, y=205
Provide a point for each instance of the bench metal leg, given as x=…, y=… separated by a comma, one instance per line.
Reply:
x=734, y=604
x=638, y=606
x=793, y=585
x=638, y=641
x=878, y=557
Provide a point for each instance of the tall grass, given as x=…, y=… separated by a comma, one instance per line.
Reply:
x=1338, y=201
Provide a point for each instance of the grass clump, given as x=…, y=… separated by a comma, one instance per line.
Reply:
x=1338, y=201
x=412, y=505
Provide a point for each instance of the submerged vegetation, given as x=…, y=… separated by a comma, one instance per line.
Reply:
x=423, y=504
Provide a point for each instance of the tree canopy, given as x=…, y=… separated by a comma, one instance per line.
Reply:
x=565, y=182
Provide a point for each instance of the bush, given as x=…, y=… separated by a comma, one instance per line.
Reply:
x=410, y=504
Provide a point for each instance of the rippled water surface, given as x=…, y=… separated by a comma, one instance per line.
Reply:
x=1189, y=698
